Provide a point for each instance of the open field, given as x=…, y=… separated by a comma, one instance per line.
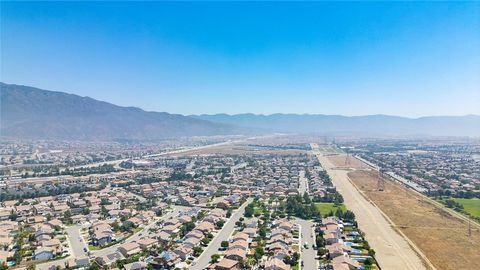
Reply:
x=325, y=208
x=471, y=206
x=239, y=149
x=329, y=149
x=342, y=161
x=442, y=237
x=393, y=251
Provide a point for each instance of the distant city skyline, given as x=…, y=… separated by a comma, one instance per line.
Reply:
x=349, y=58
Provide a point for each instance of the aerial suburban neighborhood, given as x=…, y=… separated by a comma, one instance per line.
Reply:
x=239, y=135
x=263, y=206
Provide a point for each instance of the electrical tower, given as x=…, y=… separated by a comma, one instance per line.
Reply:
x=381, y=181
x=469, y=228
x=347, y=158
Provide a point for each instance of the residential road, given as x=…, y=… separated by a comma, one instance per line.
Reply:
x=204, y=259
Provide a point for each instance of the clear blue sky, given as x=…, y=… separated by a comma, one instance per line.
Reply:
x=411, y=58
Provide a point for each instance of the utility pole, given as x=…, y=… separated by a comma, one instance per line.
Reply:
x=469, y=228
x=381, y=181
x=347, y=158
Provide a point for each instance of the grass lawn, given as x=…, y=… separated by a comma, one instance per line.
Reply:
x=325, y=208
x=90, y=247
x=471, y=206
x=257, y=211
x=329, y=149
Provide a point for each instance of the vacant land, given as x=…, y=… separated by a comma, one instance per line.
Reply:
x=442, y=237
x=239, y=149
x=342, y=161
x=326, y=208
x=329, y=149
x=392, y=250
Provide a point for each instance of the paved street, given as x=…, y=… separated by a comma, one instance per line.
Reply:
x=77, y=243
x=303, y=186
x=307, y=236
x=227, y=230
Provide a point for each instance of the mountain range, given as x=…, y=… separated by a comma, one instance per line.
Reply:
x=370, y=125
x=32, y=113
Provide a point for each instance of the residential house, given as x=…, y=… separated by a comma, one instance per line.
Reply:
x=128, y=249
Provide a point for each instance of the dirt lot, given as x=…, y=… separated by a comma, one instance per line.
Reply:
x=442, y=237
x=240, y=149
x=341, y=161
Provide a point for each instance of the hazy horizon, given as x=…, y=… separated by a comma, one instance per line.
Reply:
x=252, y=113
x=403, y=59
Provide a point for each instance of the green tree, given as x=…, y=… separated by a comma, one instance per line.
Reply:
x=219, y=224
x=214, y=258
x=85, y=211
x=93, y=266
x=306, y=198
x=13, y=215
x=249, y=210
x=368, y=261
x=104, y=211
x=259, y=252
x=186, y=228
x=115, y=226
x=197, y=251
x=67, y=217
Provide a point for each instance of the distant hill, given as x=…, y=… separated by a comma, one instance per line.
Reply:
x=371, y=125
x=32, y=113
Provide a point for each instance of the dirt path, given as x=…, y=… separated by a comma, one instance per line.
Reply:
x=392, y=250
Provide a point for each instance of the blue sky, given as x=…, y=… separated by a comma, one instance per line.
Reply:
x=351, y=58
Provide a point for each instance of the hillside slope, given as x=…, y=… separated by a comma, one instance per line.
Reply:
x=32, y=113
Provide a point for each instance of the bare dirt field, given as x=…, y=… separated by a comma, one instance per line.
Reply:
x=442, y=237
x=342, y=161
x=239, y=149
